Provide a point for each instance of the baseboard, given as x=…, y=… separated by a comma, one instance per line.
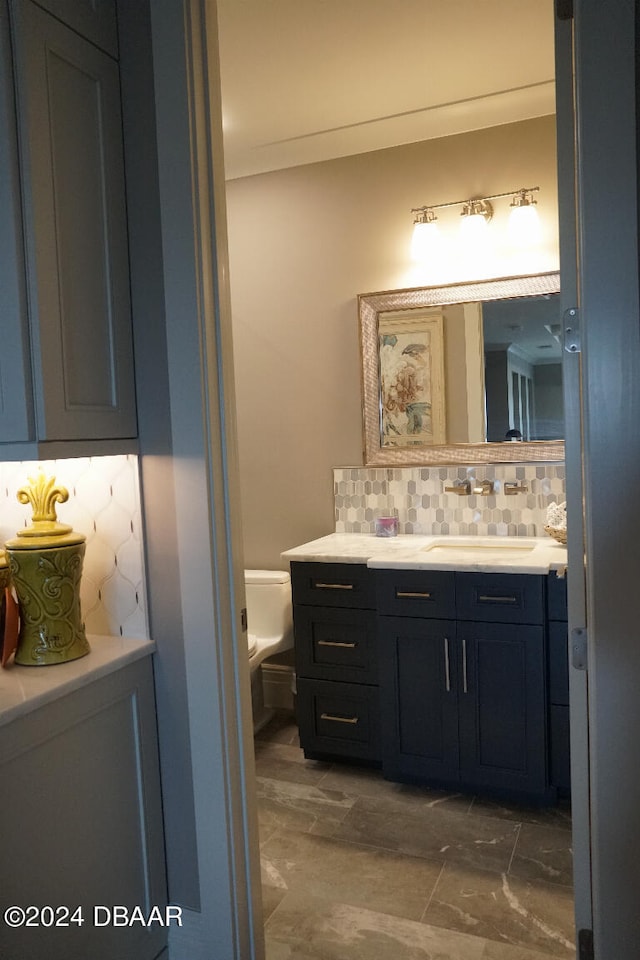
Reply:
x=277, y=685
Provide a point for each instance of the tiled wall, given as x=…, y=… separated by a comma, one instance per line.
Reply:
x=104, y=504
x=416, y=495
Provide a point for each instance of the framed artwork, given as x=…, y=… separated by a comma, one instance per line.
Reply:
x=411, y=407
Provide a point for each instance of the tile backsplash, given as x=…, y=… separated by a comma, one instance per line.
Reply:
x=417, y=497
x=104, y=504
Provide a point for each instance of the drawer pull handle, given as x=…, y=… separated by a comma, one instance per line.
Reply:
x=337, y=643
x=333, y=586
x=447, y=676
x=465, y=687
x=485, y=599
x=330, y=716
x=412, y=594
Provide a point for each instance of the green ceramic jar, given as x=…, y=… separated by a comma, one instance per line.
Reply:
x=5, y=577
x=45, y=562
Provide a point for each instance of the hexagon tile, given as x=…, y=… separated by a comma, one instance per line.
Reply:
x=416, y=496
x=104, y=504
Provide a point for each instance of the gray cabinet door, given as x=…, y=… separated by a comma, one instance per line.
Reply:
x=94, y=19
x=76, y=234
x=80, y=778
x=15, y=384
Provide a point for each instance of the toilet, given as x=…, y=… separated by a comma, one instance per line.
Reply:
x=270, y=629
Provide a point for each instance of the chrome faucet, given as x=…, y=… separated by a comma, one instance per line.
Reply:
x=461, y=487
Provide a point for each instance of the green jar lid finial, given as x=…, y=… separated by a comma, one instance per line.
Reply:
x=45, y=530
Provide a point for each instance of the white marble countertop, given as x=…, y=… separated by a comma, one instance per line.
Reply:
x=416, y=552
x=24, y=689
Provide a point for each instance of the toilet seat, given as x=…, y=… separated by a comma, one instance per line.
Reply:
x=253, y=644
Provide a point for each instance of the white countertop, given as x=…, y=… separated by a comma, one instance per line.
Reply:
x=24, y=689
x=412, y=552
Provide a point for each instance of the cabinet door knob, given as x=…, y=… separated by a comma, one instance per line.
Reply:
x=412, y=594
x=483, y=598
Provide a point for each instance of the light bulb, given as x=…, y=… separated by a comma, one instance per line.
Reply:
x=524, y=225
x=425, y=240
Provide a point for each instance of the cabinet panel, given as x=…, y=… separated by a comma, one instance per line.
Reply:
x=418, y=696
x=93, y=19
x=333, y=585
x=338, y=719
x=415, y=593
x=502, y=706
x=15, y=372
x=556, y=597
x=558, y=663
x=81, y=778
x=560, y=749
x=76, y=235
x=500, y=597
x=336, y=644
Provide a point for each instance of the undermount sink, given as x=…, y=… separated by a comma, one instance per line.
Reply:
x=481, y=547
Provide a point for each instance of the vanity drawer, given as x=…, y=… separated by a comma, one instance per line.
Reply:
x=336, y=644
x=338, y=719
x=500, y=597
x=416, y=593
x=332, y=585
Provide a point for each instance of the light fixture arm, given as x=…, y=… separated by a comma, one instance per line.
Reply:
x=523, y=196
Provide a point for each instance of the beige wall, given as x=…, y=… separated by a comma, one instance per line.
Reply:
x=303, y=243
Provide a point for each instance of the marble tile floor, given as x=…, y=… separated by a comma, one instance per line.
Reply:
x=357, y=868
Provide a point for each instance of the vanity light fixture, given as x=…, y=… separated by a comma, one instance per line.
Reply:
x=524, y=223
x=476, y=214
x=425, y=234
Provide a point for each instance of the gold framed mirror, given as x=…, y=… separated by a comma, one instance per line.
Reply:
x=426, y=366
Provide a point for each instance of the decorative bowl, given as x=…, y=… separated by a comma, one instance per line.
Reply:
x=558, y=533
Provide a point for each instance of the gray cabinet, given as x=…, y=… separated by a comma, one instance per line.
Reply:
x=77, y=319
x=96, y=20
x=83, y=819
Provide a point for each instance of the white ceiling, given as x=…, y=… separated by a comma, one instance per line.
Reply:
x=308, y=80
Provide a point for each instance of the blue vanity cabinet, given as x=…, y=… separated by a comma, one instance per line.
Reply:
x=419, y=699
x=464, y=698
x=337, y=701
x=560, y=773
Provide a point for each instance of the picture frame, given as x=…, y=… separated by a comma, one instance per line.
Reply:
x=411, y=405
x=403, y=302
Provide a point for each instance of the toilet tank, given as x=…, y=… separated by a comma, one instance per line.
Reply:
x=269, y=612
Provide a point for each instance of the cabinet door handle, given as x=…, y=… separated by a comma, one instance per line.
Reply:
x=332, y=586
x=336, y=643
x=465, y=688
x=485, y=599
x=447, y=675
x=330, y=716
x=413, y=594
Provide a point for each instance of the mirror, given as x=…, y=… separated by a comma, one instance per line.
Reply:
x=447, y=371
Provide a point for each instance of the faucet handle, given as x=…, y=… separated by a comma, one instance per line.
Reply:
x=461, y=487
x=484, y=488
x=511, y=487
